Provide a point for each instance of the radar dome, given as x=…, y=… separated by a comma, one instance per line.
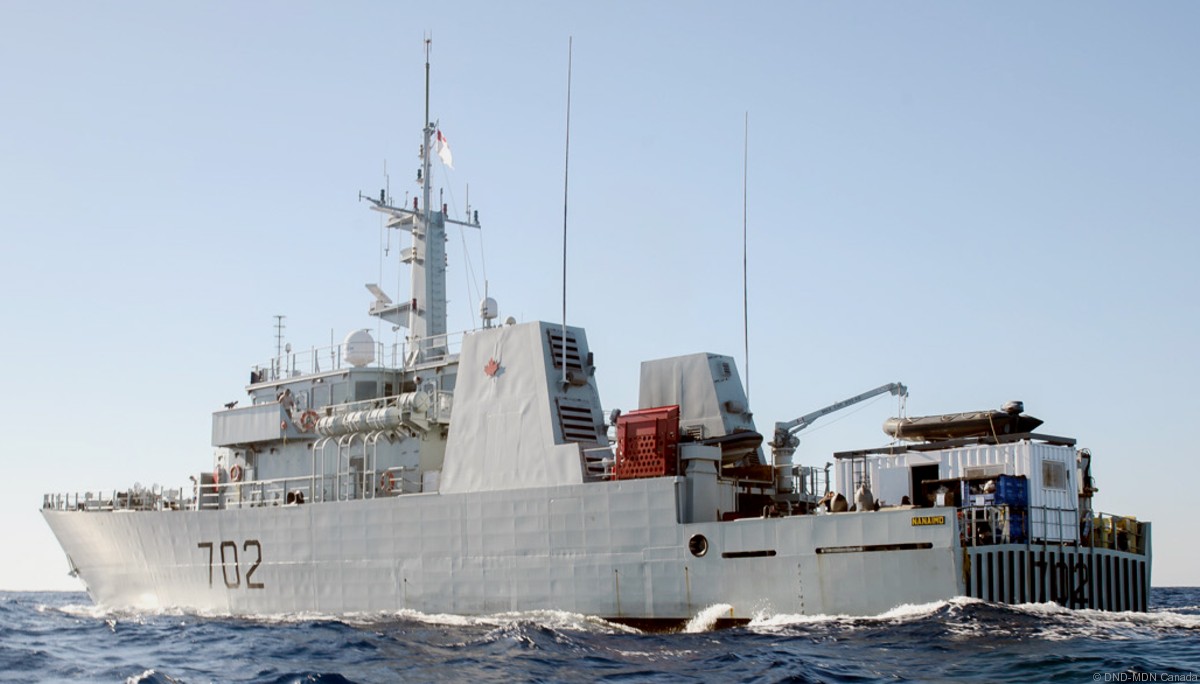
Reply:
x=488, y=309
x=358, y=349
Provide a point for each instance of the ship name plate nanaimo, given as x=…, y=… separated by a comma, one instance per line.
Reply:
x=919, y=520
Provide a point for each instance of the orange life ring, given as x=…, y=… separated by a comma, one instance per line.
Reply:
x=387, y=481
x=308, y=420
x=235, y=473
x=216, y=476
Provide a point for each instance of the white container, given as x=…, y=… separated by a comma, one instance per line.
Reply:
x=1050, y=468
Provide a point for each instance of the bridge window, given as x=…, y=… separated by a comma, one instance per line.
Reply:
x=1054, y=475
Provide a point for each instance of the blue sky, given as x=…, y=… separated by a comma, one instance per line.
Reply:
x=986, y=202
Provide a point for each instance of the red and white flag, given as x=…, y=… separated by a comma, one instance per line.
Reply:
x=443, y=150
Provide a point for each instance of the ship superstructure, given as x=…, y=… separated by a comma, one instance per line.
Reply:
x=478, y=473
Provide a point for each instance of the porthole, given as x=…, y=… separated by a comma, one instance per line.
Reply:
x=698, y=545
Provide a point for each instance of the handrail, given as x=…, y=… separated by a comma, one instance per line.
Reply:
x=1002, y=524
x=225, y=495
x=1118, y=532
x=809, y=483
x=153, y=499
x=330, y=358
x=979, y=526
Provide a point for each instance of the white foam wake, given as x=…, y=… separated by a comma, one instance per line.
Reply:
x=905, y=612
x=1109, y=620
x=1060, y=622
x=550, y=619
x=706, y=619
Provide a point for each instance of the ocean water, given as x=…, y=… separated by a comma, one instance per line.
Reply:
x=62, y=637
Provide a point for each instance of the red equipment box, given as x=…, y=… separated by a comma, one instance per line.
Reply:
x=647, y=443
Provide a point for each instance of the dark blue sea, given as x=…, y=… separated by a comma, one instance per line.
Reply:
x=61, y=637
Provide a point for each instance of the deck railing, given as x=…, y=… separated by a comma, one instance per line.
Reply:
x=332, y=357
x=1118, y=532
x=249, y=494
x=988, y=525
x=154, y=499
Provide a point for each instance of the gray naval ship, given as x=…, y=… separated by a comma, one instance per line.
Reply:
x=477, y=473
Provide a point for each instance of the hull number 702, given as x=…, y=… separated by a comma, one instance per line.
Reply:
x=231, y=571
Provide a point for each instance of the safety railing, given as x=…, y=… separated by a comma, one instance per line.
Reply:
x=1004, y=524
x=258, y=493
x=246, y=494
x=810, y=482
x=332, y=357
x=153, y=499
x=987, y=525
x=1116, y=532
x=435, y=348
x=399, y=480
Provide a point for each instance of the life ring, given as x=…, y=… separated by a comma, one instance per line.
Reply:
x=308, y=420
x=235, y=473
x=387, y=481
x=283, y=425
x=216, y=476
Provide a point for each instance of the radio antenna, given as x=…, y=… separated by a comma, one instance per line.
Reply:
x=277, y=364
x=566, y=184
x=745, y=296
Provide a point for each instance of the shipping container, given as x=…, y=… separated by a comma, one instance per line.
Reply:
x=1046, y=473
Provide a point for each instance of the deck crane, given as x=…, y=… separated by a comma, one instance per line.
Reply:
x=784, y=443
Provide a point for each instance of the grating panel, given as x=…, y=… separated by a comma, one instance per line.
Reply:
x=647, y=443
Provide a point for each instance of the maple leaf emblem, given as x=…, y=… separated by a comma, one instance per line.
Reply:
x=492, y=367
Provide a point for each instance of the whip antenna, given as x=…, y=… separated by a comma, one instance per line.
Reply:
x=566, y=179
x=745, y=296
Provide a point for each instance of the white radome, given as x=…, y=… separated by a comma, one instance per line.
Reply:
x=359, y=348
x=489, y=310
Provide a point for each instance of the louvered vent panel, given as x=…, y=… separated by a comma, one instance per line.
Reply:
x=574, y=361
x=577, y=421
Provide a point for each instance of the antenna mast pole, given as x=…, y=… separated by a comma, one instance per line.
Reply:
x=417, y=328
x=426, y=187
x=278, y=363
x=566, y=179
x=745, y=296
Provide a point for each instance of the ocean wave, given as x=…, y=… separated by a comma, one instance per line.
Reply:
x=151, y=677
x=95, y=612
x=549, y=619
x=905, y=612
x=962, y=618
x=706, y=620
x=1110, y=621
x=560, y=620
x=1185, y=610
x=60, y=637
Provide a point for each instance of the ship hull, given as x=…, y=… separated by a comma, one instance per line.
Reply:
x=1075, y=577
x=610, y=549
